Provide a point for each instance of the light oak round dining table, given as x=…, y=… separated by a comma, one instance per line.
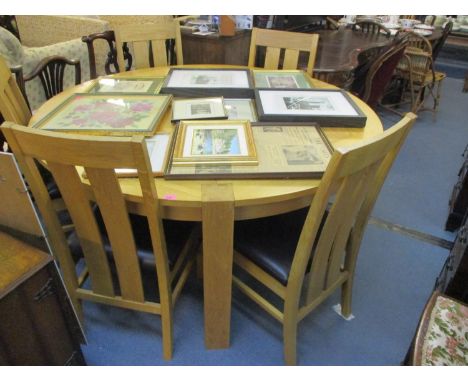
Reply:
x=217, y=203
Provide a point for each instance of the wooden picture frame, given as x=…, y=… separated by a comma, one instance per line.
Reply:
x=327, y=107
x=281, y=79
x=192, y=82
x=214, y=143
x=284, y=151
x=130, y=85
x=107, y=114
x=198, y=108
x=241, y=108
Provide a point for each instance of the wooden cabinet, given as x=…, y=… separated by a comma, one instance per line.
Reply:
x=37, y=323
x=216, y=49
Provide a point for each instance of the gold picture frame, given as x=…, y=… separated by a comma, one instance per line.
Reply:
x=214, y=143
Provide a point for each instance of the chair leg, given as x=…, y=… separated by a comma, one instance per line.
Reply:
x=167, y=329
x=290, y=340
x=346, y=298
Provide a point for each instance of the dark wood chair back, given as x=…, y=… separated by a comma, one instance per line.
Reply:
x=51, y=70
x=111, y=65
x=371, y=27
x=439, y=43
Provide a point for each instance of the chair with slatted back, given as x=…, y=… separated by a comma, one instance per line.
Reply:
x=51, y=71
x=152, y=44
x=276, y=41
x=118, y=246
x=302, y=257
x=371, y=27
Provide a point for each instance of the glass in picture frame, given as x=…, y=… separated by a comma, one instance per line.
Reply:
x=198, y=108
x=241, y=108
x=150, y=85
x=214, y=143
x=281, y=79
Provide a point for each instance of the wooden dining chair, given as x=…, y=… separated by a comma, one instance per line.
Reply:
x=117, y=246
x=153, y=45
x=292, y=43
x=371, y=27
x=304, y=256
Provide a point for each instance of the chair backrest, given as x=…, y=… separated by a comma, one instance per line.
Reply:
x=152, y=44
x=381, y=71
x=13, y=105
x=51, y=70
x=439, y=43
x=111, y=60
x=99, y=156
x=292, y=42
x=353, y=180
x=371, y=27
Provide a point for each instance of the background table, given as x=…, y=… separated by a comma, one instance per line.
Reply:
x=218, y=203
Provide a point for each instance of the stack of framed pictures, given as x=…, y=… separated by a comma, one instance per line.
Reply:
x=329, y=108
x=107, y=114
x=233, y=83
x=281, y=150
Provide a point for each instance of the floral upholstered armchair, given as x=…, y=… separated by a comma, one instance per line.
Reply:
x=17, y=54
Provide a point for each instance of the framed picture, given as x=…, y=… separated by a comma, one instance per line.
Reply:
x=198, y=108
x=281, y=79
x=127, y=85
x=158, y=150
x=284, y=151
x=234, y=83
x=240, y=108
x=214, y=143
x=107, y=114
x=329, y=108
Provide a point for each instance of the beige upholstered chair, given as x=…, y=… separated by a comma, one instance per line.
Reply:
x=151, y=44
x=306, y=255
x=291, y=42
x=117, y=247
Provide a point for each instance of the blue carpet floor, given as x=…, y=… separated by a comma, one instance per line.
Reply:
x=395, y=276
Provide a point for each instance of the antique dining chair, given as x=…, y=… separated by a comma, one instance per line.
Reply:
x=153, y=45
x=439, y=43
x=292, y=43
x=111, y=65
x=51, y=71
x=371, y=27
x=372, y=83
x=302, y=257
x=117, y=246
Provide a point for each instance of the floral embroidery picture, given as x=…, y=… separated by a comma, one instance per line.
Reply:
x=108, y=114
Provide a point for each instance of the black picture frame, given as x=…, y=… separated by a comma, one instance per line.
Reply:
x=192, y=91
x=358, y=119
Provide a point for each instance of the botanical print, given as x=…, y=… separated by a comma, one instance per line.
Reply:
x=308, y=103
x=301, y=155
x=203, y=79
x=107, y=113
x=445, y=342
x=215, y=142
x=287, y=82
x=200, y=108
x=123, y=86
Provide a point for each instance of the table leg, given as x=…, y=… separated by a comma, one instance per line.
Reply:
x=218, y=232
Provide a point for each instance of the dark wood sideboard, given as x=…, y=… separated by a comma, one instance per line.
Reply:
x=37, y=323
x=216, y=49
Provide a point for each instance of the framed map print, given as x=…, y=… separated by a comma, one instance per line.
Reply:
x=329, y=108
x=107, y=114
x=214, y=143
x=127, y=85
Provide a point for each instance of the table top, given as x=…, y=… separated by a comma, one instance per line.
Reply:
x=182, y=199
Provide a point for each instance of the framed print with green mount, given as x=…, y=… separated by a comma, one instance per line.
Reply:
x=198, y=108
x=284, y=151
x=107, y=114
x=240, y=108
x=149, y=85
x=327, y=107
x=233, y=83
x=281, y=79
x=214, y=143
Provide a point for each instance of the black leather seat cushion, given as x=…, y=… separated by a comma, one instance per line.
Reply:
x=271, y=242
x=177, y=234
